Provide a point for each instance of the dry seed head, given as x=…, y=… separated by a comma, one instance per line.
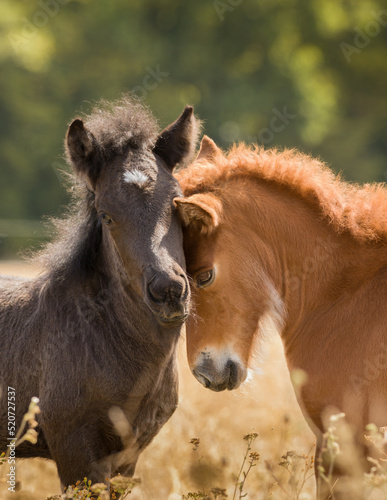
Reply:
x=98, y=487
x=251, y=436
x=33, y=424
x=33, y=410
x=219, y=492
x=197, y=495
x=335, y=418
x=121, y=483
x=254, y=456
x=31, y=435
x=195, y=442
x=33, y=407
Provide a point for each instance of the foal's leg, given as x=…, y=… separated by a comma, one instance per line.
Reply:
x=80, y=454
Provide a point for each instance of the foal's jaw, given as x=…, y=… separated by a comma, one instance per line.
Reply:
x=219, y=370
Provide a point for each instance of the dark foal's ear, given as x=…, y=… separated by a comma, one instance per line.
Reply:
x=201, y=211
x=80, y=145
x=177, y=143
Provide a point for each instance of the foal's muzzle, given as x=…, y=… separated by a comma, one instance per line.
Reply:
x=219, y=376
x=168, y=298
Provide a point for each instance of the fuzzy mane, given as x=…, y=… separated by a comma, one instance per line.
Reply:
x=360, y=210
x=74, y=250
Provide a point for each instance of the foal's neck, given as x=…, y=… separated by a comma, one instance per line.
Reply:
x=314, y=265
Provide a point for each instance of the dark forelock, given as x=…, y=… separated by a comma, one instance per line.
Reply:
x=120, y=124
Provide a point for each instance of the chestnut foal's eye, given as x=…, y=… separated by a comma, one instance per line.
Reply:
x=107, y=219
x=205, y=278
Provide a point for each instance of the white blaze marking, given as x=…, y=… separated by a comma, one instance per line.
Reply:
x=135, y=177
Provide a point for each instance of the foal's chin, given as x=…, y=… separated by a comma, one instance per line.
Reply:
x=172, y=322
x=171, y=317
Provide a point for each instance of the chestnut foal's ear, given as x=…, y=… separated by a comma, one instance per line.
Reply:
x=79, y=146
x=177, y=143
x=208, y=150
x=200, y=210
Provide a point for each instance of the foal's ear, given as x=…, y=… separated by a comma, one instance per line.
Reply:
x=79, y=148
x=200, y=210
x=177, y=143
x=208, y=150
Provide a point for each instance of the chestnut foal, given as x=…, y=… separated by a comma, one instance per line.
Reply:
x=274, y=241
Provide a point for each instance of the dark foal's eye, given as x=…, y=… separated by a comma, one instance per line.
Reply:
x=205, y=278
x=107, y=219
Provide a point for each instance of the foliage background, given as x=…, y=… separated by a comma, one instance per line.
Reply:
x=239, y=62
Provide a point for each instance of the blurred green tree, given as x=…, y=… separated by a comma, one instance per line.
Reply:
x=309, y=74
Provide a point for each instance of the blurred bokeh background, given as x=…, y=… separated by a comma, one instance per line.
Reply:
x=310, y=74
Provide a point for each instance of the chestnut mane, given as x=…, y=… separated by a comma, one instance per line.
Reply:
x=359, y=210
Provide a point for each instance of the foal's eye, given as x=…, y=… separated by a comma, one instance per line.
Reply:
x=205, y=278
x=107, y=219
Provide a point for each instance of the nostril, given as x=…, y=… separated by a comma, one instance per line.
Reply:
x=156, y=290
x=233, y=374
x=162, y=289
x=202, y=379
x=176, y=289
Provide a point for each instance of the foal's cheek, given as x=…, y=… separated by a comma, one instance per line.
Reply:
x=133, y=271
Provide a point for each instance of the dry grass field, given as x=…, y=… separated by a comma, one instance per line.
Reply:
x=170, y=468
